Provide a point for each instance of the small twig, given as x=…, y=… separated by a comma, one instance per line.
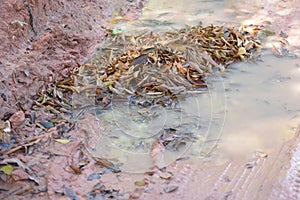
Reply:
x=37, y=139
x=30, y=16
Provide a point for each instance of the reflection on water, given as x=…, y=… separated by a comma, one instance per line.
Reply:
x=254, y=106
x=198, y=119
x=166, y=14
x=263, y=105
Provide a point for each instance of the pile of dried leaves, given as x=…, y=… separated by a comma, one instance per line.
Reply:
x=146, y=70
x=152, y=68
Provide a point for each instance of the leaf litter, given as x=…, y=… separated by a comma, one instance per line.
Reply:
x=149, y=69
x=159, y=68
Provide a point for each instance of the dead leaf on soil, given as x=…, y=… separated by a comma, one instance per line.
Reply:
x=166, y=175
x=141, y=183
x=76, y=169
x=63, y=141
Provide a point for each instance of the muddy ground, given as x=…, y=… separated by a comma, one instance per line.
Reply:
x=41, y=43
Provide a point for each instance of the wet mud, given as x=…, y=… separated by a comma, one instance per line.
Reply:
x=41, y=43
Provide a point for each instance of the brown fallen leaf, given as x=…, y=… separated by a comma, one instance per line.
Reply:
x=141, y=183
x=105, y=163
x=75, y=169
x=261, y=154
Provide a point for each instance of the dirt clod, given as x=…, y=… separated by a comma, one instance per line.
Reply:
x=17, y=119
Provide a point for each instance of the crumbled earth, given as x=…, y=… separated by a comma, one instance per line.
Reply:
x=41, y=50
x=41, y=43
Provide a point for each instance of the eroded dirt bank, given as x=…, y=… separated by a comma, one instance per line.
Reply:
x=41, y=42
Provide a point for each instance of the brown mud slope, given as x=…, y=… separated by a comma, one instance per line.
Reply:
x=41, y=42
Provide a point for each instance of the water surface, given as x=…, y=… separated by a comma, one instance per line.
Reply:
x=253, y=106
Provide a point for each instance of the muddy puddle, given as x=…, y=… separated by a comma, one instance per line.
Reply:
x=262, y=105
x=250, y=108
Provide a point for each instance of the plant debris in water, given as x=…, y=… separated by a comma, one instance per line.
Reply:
x=152, y=68
x=149, y=70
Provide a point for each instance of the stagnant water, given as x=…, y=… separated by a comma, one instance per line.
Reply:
x=253, y=106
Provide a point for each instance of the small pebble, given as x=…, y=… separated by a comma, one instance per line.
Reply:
x=47, y=124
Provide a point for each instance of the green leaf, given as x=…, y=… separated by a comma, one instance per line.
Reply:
x=7, y=169
x=117, y=31
x=107, y=84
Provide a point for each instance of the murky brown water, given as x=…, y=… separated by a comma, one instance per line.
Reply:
x=253, y=106
x=263, y=105
x=166, y=14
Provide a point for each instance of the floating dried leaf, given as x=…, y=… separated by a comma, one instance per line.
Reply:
x=261, y=154
x=104, y=162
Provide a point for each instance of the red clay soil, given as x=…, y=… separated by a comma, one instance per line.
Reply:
x=57, y=36
x=41, y=42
